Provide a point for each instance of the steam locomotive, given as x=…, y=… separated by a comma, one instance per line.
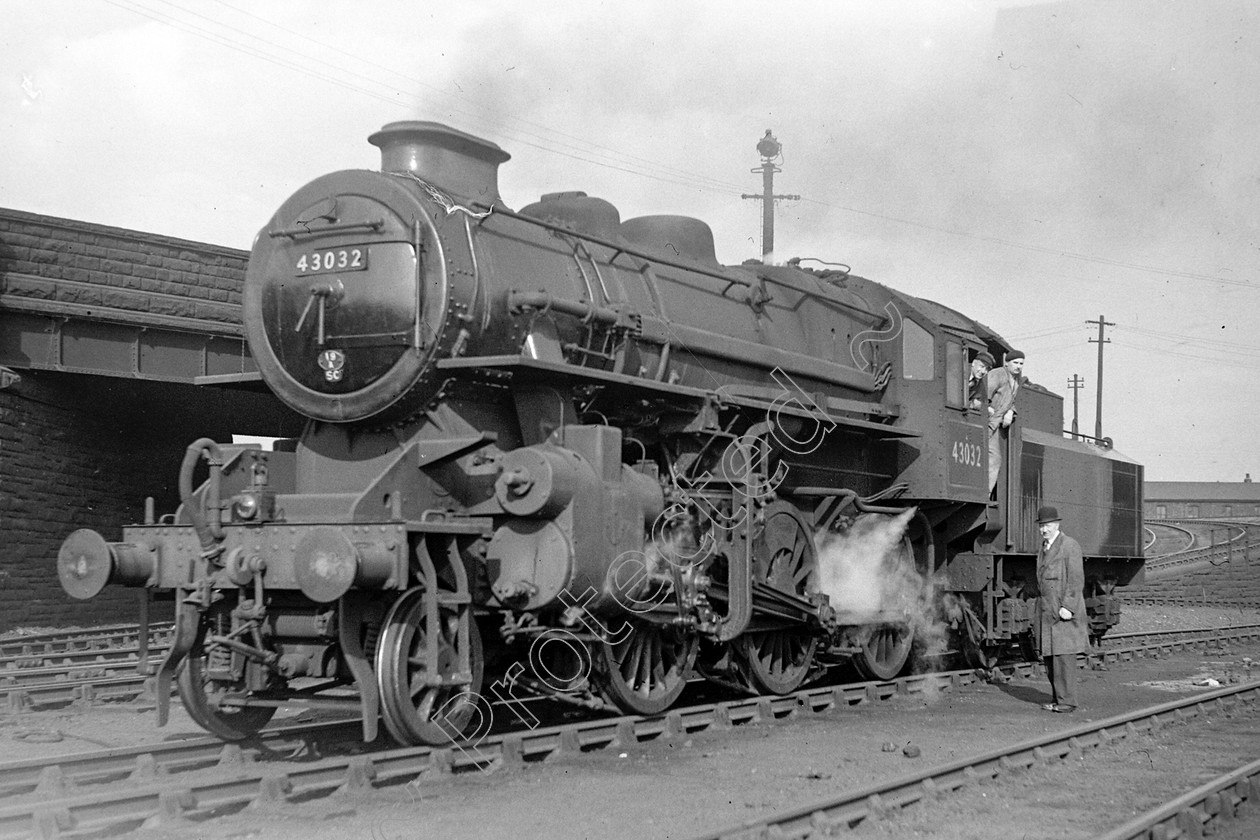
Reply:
x=554, y=453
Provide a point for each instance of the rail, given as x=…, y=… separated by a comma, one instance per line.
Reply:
x=1183, y=533
x=1216, y=553
x=118, y=788
x=53, y=808
x=1198, y=812
x=1129, y=599
x=92, y=638
x=845, y=811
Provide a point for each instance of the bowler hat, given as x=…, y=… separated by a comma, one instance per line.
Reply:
x=1014, y=354
x=986, y=357
x=1047, y=514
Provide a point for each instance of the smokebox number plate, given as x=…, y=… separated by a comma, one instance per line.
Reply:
x=332, y=260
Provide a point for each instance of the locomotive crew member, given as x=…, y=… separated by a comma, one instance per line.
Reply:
x=977, y=394
x=1060, y=621
x=1002, y=385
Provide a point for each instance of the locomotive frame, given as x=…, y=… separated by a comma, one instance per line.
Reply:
x=556, y=453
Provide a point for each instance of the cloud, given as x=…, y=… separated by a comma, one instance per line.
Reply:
x=970, y=153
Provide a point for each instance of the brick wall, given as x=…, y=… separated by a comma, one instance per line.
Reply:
x=84, y=452
x=97, y=265
x=79, y=451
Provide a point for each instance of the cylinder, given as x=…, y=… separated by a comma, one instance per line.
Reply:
x=541, y=480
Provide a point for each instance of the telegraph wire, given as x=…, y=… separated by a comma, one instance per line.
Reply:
x=695, y=181
x=1226, y=361
x=1042, y=249
x=1046, y=333
x=202, y=32
x=395, y=95
x=581, y=142
x=1178, y=340
x=1039, y=350
x=1210, y=342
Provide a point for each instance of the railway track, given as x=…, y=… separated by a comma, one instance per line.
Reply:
x=849, y=809
x=113, y=677
x=86, y=658
x=1198, y=812
x=1176, y=538
x=93, y=665
x=101, y=664
x=1238, y=542
x=35, y=645
x=86, y=690
x=82, y=667
x=101, y=791
x=164, y=758
x=1237, y=632
x=1181, y=601
x=122, y=789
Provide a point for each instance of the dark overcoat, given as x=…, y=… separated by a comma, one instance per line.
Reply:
x=1061, y=583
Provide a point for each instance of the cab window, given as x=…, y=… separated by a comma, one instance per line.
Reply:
x=918, y=354
x=955, y=375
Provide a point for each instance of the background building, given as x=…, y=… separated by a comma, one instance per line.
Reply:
x=1202, y=499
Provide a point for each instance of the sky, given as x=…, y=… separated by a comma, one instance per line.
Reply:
x=1033, y=165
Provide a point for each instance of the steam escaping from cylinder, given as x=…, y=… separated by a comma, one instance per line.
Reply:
x=641, y=580
x=865, y=568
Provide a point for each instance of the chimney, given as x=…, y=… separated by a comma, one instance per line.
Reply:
x=445, y=157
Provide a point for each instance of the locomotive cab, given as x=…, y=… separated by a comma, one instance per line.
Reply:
x=950, y=461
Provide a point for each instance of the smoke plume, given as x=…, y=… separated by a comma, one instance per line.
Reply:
x=867, y=570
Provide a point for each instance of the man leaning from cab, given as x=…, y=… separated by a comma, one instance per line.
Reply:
x=1002, y=384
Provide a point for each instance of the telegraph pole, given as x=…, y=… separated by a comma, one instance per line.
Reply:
x=769, y=148
x=1076, y=384
x=1100, y=341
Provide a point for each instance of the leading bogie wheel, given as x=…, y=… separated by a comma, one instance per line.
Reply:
x=202, y=697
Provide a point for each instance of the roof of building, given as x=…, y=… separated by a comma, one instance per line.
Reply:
x=1201, y=491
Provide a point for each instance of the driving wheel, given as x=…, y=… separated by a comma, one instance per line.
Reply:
x=779, y=660
x=645, y=666
x=885, y=648
x=421, y=706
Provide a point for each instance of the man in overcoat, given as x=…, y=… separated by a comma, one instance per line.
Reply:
x=1060, y=621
